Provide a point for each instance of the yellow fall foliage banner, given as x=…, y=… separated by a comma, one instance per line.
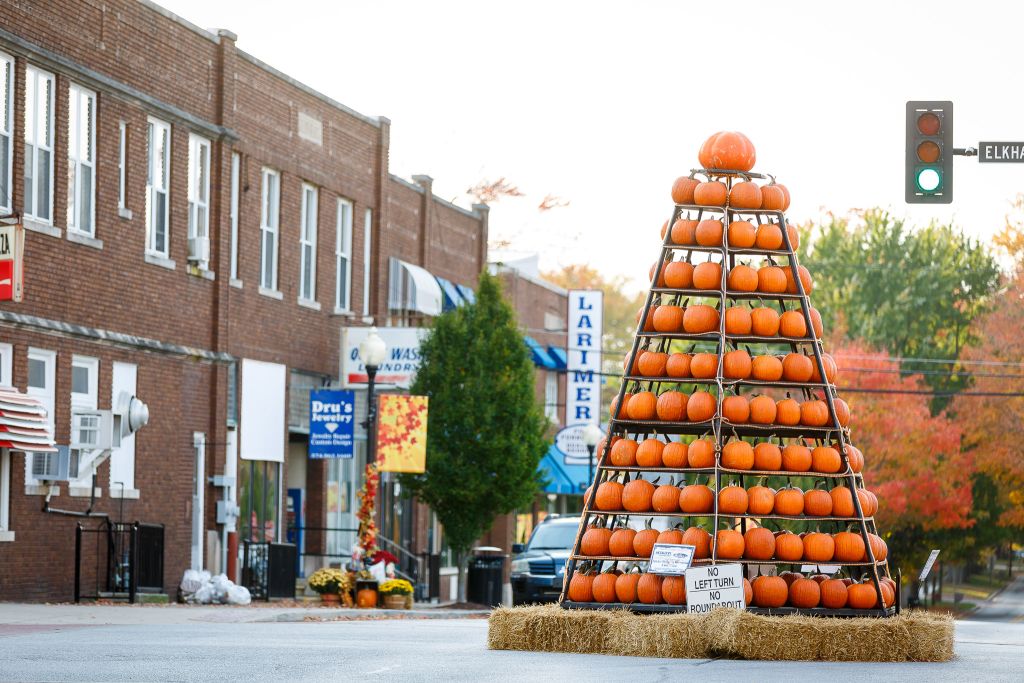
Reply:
x=402, y=433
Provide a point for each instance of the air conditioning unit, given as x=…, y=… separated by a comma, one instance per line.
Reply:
x=59, y=466
x=93, y=430
x=199, y=250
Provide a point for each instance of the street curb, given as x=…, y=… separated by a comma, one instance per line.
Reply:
x=344, y=614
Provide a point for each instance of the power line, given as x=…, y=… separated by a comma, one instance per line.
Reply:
x=954, y=361
x=932, y=372
x=926, y=392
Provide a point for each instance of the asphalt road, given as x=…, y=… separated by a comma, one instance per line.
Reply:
x=1007, y=606
x=420, y=650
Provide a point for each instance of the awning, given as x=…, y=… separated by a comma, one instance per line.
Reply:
x=562, y=478
x=557, y=354
x=23, y=423
x=467, y=293
x=539, y=355
x=412, y=288
x=452, y=298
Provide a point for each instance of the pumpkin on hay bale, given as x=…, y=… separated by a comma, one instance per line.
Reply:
x=908, y=637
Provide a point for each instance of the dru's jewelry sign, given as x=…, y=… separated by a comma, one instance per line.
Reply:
x=331, y=423
x=583, y=386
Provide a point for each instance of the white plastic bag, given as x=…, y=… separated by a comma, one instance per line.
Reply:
x=239, y=595
x=221, y=585
x=204, y=596
x=190, y=582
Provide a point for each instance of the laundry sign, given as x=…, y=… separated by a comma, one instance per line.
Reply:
x=332, y=417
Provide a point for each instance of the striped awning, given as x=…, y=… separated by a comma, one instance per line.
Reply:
x=23, y=423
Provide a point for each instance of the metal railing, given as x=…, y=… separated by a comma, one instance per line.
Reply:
x=121, y=560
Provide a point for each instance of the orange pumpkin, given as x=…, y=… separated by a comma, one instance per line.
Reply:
x=792, y=324
x=613, y=409
x=804, y=593
x=636, y=495
x=831, y=369
x=819, y=329
x=862, y=596
x=678, y=365
x=648, y=453
x=738, y=455
x=741, y=234
x=748, y=592
x=649, y=320
x=727, y=151
x=769, y=236
x=700, y=407
x=673, y=590
x=833, y=594
x=643, y=542
x=878, y=547
x=696, y=498
x=789, y=501
x=671, y=406
x=737, y=321
x=787, y=412
x=648, y=589
x=796, y=367
x=788, y=546
x=701, y=454
x=623, y=453
x=652, y=363
x=736, y=364
x=704, y=365
x=745, y=195
x=771, y=280
x=728, y=544
x=826, y=459
x=674, y=455
x=581, y=587
x=609, y=496
x=766, y=369
x=707, y=275
x=668, y=319
x=767, y=457
x=661, y=275
x=736, y=409
x=760, y=500
x=842, y=412
x=814, y=413
x=709, y=232
x=819, y=547
x=770, y=591
x=672, y=536
x=849, y=547
x=796, y=458
x=700, y=318
x=642, y=406
x=868, y=502
x=700, y=540
x=684, y=231
x=682, y=189
x=772, y=197
x=603, y=587
x=762, y=410
x=621, y=542
x=758, y=544
x=678, y=275
x=732, y=500
x=625, y=587
x=742, y=279
x=805, y=280
x=595, y=541
x=666, y=498
x=765, y=321
x=713, y=193
x=817, y=503
x=842, y=502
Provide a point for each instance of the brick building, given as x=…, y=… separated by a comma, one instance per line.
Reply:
x=200, y=228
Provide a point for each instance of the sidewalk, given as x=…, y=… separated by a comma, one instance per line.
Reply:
x=91, y=614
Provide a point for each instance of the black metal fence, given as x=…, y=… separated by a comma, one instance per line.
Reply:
x=117, y=560
x=268, y=569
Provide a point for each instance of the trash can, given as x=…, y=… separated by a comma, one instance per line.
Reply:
x=486, y=571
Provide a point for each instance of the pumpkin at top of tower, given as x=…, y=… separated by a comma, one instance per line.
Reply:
x=728, y=151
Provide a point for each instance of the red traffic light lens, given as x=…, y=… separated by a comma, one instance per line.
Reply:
x=928, y=152
x=928, y=123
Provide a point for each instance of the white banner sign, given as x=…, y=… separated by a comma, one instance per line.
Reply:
x=583, y=388
x=720, y=585
x=401, y=361
x=670, y=559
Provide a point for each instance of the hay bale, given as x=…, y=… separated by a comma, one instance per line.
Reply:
x=911, y=636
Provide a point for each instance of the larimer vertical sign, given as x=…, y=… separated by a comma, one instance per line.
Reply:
x=583, y=388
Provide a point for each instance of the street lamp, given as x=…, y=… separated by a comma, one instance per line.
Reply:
x=372, y=351
x=591, y=435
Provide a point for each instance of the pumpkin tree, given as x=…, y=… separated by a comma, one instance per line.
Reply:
x=728, y=433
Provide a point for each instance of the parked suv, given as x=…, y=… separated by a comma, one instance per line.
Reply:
x=538, y=567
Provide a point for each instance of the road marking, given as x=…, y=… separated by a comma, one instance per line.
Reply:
x=381, y=670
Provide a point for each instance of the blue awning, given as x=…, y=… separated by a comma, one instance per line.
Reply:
x=451, y=299
x=466, y=293
x=539, y=355
x=560, y=477
x=557, y=353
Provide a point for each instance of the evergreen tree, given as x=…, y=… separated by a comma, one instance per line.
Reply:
x=485, y=433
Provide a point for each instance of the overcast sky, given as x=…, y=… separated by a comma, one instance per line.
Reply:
x=604, y=104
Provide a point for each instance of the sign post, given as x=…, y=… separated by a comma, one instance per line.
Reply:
x=331, y=424
x=719, y=585
x=928, y=565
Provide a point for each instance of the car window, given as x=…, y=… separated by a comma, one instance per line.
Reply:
x=553, y=536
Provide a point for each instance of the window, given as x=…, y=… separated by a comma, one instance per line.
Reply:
x=42, y=375
x=307, y=244
x=551, y=396
x=122, y=164
x=235, y=164
x=6, y=130
x=81, y=160
x=39, y=144
x=198, y=186
x=157, y=183
x=343, y=256
x=367, y=235
x=6, y=356
x=84, y=382
x=268, y=229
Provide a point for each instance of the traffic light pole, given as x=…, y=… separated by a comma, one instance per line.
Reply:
x=965, y=151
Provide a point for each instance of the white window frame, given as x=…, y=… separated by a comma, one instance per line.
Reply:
x=236, y=163
x=90, y=399
x=33, y=78
x=308, y=217
x=6, y=535
x=122, y=164
x=270, y=223
x=198, y=186
x=551, y=396
x=343, y=254
x=81, y=155
x=47, y=395
x=153, y=127
x=7, y=129
x=367, y=252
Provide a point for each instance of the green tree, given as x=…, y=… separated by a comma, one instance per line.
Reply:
x=485, y=434
x=912, y=292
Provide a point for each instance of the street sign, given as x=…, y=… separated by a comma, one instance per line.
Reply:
x=12, y=249
x=928, y=565
x=1001, y=152
x=670, y=559
x=720, y=585
x=331, y=424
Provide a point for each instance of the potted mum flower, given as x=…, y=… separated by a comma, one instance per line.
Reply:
x=396, y=593
x=332, y=584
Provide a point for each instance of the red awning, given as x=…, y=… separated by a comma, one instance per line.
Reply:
x=23, y=423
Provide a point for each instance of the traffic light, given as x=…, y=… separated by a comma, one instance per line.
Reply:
x=929, y=171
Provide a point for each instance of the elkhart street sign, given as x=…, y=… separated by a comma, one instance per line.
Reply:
x=1001, y=152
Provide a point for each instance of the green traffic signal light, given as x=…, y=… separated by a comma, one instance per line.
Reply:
x=928, y=175
x=929, y=179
